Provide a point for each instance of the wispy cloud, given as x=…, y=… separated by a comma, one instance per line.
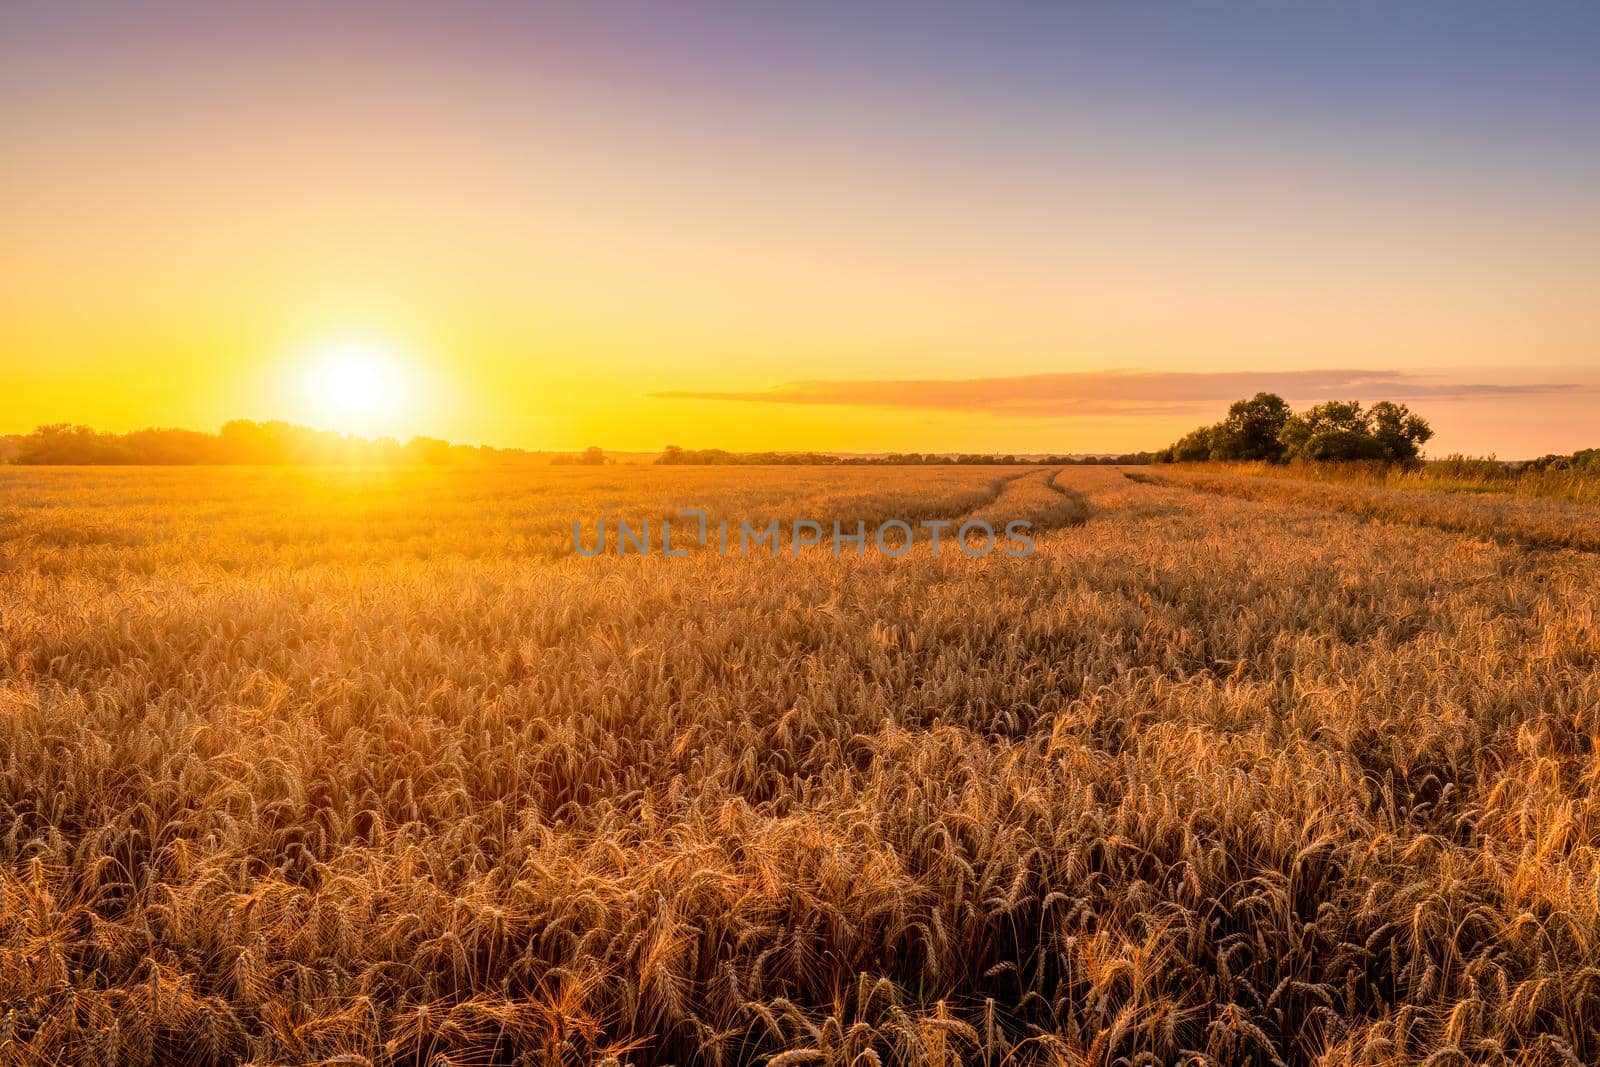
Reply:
x=1118, y=392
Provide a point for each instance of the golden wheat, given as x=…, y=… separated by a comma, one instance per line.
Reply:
x=362, y=767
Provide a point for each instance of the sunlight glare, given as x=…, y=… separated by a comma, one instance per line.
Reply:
x=356, y=385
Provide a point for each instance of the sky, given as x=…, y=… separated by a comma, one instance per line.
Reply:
x=856, y=227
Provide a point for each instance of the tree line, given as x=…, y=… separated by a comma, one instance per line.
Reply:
x=244, y=442
x=1584, y=461
x=674, y=455
x=238, y=442
x=1265, y=428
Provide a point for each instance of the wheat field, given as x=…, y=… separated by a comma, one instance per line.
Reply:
x=323, y=766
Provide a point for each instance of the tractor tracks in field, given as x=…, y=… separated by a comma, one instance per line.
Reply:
x=1036, y=497
x=1075, y=503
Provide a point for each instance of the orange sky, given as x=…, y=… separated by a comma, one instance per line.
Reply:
x=556, y=234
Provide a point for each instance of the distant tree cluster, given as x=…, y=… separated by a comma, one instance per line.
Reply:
x=1583, y=461
x=1265, y=428
x=706, y=457
x=593, y=456
x=971, y=459
x=238, y=442
x=673, y=455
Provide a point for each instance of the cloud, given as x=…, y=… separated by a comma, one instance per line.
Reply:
x=1117, y=392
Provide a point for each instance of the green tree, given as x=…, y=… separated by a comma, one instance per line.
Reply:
x=1326, y=417
x=1399, y=432
x=1250, y=430
x=1341, y=445
x=1193, y=447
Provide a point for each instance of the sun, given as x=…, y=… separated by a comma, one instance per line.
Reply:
x=356, y=385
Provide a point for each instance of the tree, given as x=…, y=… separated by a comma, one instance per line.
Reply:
x=243, y=441
x=1326, y=417
x=1400, y=433
x=594, y=456
x=1264, y=429
x=1341, y=445
x=428, y=450
x=1193, y=447
x=168, y=447
x=1250, y=430
x=63, y=442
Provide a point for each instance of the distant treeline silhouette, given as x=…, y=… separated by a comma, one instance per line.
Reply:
x=243, y=442
x=238, y=442
x=672, y=454
x=1583, y=463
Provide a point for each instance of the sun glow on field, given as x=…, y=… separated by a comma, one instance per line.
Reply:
x=357, y=385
